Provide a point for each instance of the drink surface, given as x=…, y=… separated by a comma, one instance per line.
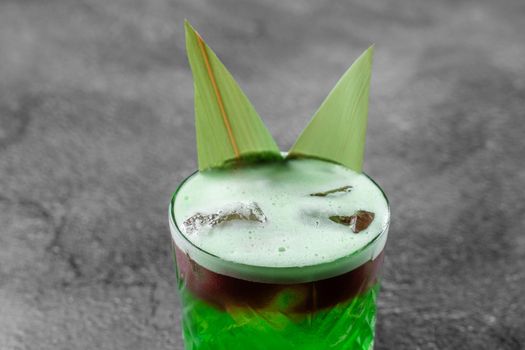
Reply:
x=278, y=214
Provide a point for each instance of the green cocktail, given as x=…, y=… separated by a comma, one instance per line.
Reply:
x=279, y=256
x=277, y=251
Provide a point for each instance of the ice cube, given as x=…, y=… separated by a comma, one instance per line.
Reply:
x=236, y=211
x=197, y=222
x=357, y=222
x=337, y=190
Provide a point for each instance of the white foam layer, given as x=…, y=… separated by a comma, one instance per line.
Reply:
x=297, y=231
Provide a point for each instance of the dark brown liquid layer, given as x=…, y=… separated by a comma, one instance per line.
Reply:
x=226, y=292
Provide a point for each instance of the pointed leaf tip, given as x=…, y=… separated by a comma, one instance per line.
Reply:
x=337, y=131
x=228, y=128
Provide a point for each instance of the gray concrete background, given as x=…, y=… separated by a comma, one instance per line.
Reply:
x=96, y=130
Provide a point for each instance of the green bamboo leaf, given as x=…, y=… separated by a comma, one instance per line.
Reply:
x=228, y=128
x=338, y=129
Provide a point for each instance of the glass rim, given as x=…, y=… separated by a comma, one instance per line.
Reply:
x=280, y=274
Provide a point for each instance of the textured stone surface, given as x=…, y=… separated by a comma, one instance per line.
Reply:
x=96, y=131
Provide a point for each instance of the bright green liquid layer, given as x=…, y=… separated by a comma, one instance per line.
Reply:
x=345, y=326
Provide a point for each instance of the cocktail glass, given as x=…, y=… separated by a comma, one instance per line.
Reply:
x=231, y=306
